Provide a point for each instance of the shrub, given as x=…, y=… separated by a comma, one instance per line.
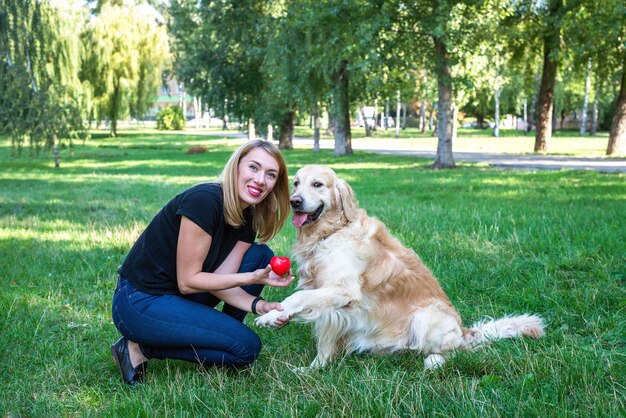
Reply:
x=170, y=119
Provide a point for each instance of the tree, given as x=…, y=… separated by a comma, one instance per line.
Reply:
x=41, y=96
x=598, y=35
x=617, y=136
x=219, y=49
x=127, y=51
x=442, y=33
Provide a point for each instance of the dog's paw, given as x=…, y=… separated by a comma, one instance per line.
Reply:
x=434, y=361
x=269, y=319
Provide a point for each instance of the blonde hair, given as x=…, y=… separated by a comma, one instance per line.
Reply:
x=270, y=214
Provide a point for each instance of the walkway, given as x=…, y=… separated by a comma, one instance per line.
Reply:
x=500, y=160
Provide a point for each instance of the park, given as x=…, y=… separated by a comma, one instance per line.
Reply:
x=83, y=169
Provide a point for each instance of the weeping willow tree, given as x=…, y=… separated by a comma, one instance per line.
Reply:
x=126, y=51
x=41, y=96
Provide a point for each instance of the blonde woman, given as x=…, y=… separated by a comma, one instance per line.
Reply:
x=197, y=251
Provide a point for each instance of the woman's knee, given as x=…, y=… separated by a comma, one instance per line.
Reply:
x=249, y=350
x=257, y=256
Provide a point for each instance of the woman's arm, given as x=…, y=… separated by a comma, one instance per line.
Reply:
x=193, y=246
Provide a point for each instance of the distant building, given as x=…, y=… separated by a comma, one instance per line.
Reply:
x=173, y=93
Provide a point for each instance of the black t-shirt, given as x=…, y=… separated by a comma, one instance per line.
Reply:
x=151, y=264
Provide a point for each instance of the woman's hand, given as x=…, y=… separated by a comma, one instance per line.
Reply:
x=267, y=277
x=264, y=307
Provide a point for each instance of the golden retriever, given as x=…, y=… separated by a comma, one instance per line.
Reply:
x=365, y=291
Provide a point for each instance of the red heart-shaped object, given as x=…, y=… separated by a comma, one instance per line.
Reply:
x=280, y=265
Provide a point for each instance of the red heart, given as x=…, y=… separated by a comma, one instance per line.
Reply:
x=280, y=265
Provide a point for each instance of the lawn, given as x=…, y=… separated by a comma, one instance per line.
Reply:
x=501, y=242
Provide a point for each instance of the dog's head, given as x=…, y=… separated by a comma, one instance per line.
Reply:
x=318, y=194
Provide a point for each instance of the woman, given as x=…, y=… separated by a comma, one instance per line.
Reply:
x=197, y=251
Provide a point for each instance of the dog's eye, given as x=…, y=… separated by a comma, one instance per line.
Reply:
x=317, y=184
x=296, y=183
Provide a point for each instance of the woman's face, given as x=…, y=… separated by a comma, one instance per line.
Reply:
x=256, y=176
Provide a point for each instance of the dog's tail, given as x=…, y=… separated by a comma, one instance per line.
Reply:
x=505, y=327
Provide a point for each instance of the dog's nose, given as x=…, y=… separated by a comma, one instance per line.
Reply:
x=295, y=202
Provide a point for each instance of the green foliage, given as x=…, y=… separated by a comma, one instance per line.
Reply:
x=500, y=242
x=126, y=52
x=40, y=95
x=170, y=119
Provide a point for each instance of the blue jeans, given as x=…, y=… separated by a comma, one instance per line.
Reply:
x=188, y=327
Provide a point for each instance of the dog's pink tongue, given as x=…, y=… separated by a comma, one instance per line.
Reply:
x=298, y=219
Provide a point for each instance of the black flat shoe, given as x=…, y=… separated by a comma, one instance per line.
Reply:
x=130, y=375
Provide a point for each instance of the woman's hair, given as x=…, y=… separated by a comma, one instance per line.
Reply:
x=270, y=214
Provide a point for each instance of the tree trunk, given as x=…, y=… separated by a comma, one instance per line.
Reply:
x=285, y=140
x=197, y=111
x=404, y=111
x=251, y=132
x=368, y=129
x=496, y=116
x=316, y=127
x=617, y=136
x=55, y=150
x=375, y=127
x=422, y=122
x=525, y=115
x=397, y=120
x=594, y=112
x=583, y=116
x=331, y=120
x=551, y=57
x=270, y=132
x=431, y=117
x=224, y=115
x=444, y=157
x=533, y=104
x=386, y=114
x=341, y=110
x=480, y=121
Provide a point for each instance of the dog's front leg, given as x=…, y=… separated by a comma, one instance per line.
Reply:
x=307, y=305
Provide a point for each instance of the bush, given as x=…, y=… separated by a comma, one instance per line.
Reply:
x=170, y=119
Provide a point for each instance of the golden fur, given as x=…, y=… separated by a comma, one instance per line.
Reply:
x=364, y=290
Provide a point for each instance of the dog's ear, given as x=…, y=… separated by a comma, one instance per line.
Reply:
x=346, y=199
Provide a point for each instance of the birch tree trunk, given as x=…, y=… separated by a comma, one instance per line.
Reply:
x=270, y=132
x=444, y=157
x=368, y=129
x=583, y=116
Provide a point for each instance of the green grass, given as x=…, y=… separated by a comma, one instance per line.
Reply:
x=547, y=242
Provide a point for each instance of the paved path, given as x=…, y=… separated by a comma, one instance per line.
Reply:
x=501, y=160
x=510, y=161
